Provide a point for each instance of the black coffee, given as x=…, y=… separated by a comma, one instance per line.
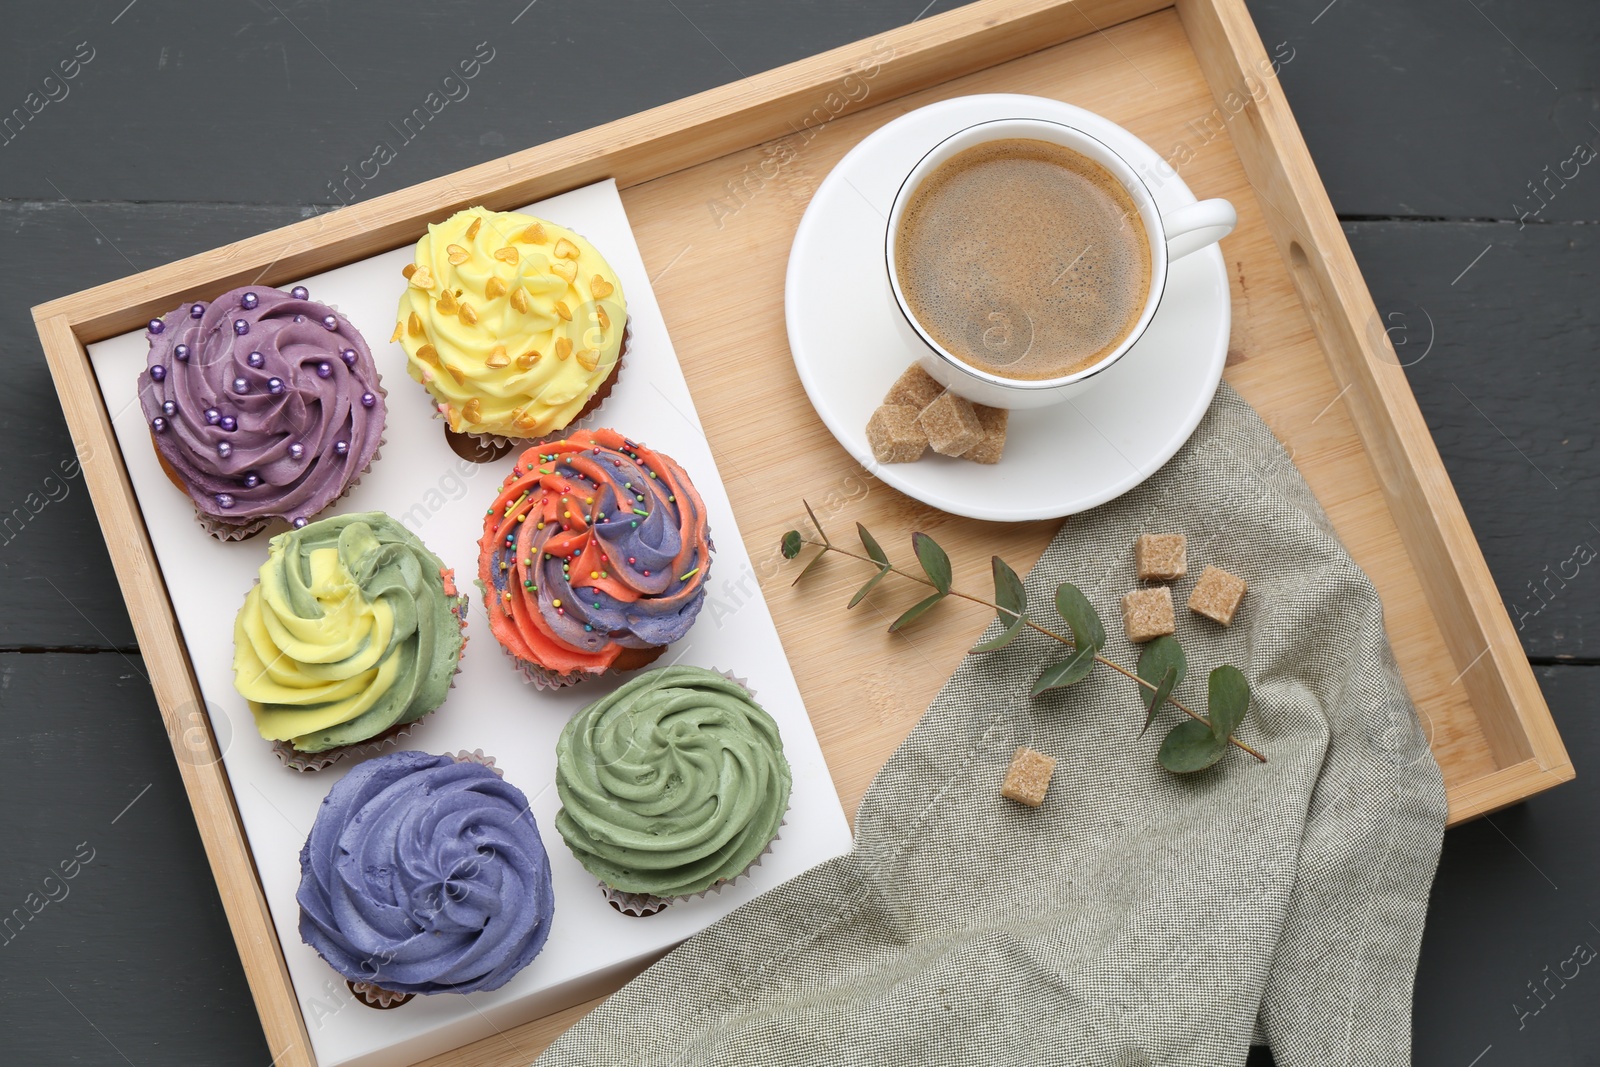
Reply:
x=1024, y=258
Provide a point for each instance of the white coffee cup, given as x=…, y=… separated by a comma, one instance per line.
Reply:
x=1172, y=236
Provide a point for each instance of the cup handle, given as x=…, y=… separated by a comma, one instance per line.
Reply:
x=1194, y=226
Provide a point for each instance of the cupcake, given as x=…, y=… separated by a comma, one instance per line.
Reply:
x=672, y=785
x=513, y=324
x=594, y=557
x=262, y=405
x=353, y=632
x=425, y=874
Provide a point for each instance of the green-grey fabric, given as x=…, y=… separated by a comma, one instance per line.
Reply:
x=1136, y=918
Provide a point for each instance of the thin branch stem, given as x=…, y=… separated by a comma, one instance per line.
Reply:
x=827, y=546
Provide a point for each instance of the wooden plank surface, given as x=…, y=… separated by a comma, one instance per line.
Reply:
x=1414, y=81
x=131, y=958
x=1505, y=371
x=1445, y=109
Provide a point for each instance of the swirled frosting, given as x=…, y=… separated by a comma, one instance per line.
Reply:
x=672, y=783
x=424, y=875
x=594, y=544
x=266, y=404
x=353, y=628
x=511, y=322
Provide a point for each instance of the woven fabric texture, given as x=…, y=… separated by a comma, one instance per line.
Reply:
x=1137, y=917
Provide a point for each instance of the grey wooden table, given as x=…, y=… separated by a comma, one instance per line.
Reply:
x=1437, y=126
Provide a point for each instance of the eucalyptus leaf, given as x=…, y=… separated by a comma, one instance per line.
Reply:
x=1156, y=656
x=791, y=544
x=1013, y=601
x=861, y=594
x=1087, y=629
x=812, y=562
x=1164, y=688
x=1190, y=747
x=1067, y=672
x=914, y=612
x=1155, y=659
x=1227, y=700
x=870, y=543
x=820, y=531
x=933, y=560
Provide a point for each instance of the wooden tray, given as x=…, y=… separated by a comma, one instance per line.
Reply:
x=715, y=186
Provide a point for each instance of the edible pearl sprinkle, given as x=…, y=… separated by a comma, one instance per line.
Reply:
x=297, y=450
x=241, y=327
x=158, y=424
x=330, y=322
x=367, y=400
x=196, y=310
x=250, y=300
x=182, y=353
x=241, y=386
x=256, y=359
x=158, y=373
x=157, y=326
x=324, y=370
x=251, y=480
x=275, y=386
x=224, y=450
x=213, y=416
x=228, y=423
x=299, y=524
x=341, y=447
x=170, y=408
x=349, y=357
x=299, y=293
x=224, y=500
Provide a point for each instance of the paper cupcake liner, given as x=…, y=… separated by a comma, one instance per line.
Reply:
x=635, y=905
x=541, y=677
x=373, y=997
x=306, y=762
x=225, y=531
x=640, y=905
x=476, y=756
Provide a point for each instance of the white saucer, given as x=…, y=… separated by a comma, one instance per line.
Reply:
x=1058, y=460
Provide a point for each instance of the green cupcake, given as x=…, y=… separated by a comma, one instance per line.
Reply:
x=672, y=784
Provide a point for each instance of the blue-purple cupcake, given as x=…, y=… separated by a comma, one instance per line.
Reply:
x=425, y=874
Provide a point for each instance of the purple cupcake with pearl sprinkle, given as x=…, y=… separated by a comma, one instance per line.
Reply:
x=263, y=405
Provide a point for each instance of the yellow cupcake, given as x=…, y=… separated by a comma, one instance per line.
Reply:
x=512, y=323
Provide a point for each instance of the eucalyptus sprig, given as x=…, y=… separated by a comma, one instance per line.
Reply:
x=1192, y=745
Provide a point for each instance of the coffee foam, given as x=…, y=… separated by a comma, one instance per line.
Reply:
x=1024, y=258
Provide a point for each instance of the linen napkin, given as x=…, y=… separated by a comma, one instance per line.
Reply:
x=1137, y=917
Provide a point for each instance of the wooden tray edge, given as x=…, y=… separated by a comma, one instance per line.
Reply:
x=1417, y=489
x=177, y=694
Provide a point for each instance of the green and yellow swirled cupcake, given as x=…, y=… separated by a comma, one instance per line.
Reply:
x=353, y=632
x=672, y=785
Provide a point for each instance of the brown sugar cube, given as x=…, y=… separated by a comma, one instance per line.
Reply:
x=895, y=435
x=1147, y=614
x=992, y=422
x=1217, y=595
x=1160, y=557
x=915, y=388
x=951, y=425
x=1028, y=777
